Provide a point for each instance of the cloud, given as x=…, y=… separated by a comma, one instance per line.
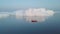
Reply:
x=39, y=14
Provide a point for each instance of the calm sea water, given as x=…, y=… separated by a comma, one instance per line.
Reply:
x=16, y=26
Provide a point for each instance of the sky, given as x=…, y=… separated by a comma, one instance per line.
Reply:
x=23, y=4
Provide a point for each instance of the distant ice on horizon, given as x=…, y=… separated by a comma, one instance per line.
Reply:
x=43, y=13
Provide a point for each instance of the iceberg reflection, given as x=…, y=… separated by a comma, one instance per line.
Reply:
x=33, y=18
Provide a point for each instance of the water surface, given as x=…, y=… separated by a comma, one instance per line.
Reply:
x=23, y=26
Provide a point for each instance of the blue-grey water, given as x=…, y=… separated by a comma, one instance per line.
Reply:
x=12, y=25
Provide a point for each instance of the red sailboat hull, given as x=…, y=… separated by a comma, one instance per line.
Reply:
x=34, y=21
